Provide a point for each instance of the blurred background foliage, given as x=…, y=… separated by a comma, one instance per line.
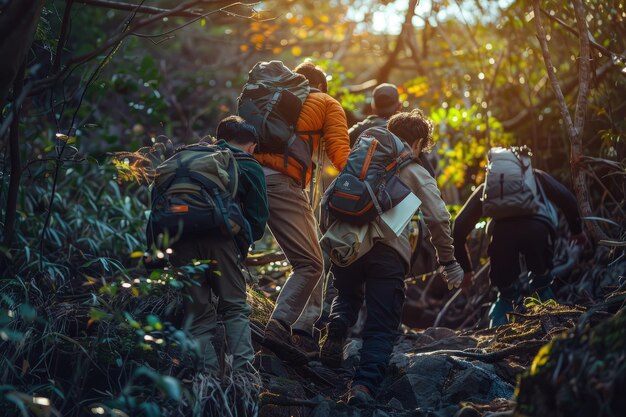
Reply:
x=474, y=66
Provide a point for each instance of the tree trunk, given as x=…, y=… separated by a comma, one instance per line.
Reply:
x=18, y=23
x=383, y=73
x=16, y=166
x=574, y=128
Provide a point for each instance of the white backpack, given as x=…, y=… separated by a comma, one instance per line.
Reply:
x=511, y=189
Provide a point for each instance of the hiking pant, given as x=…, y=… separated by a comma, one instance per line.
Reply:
x=512, y=237
x=293, y=224
x=229, y=286
x=377, y=278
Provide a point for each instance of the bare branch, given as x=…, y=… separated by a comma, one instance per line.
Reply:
x=574, y=128
x=385, y=70
x=117, y=5
x=568, y=87
x=541, y=36
x=56, y=64
x=592, y=41
x=42, y=85
x=221, y=9
x=584, y=63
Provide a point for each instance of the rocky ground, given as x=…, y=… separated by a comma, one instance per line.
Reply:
x=435, y=372
x=441, y=372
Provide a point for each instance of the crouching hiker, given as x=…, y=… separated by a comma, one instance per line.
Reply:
x=370, y=258
x=519, y=200
x=213, y=197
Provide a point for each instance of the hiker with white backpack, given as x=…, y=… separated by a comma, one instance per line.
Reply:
x=293, y=118
x=520, y=201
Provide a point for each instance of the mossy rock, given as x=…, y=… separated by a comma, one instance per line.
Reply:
x=579, y=374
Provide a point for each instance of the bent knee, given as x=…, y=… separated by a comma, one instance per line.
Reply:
x=312, y=267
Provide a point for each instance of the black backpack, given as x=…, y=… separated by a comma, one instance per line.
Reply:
x=271, y=101
x=368, y=185
x=195, y=192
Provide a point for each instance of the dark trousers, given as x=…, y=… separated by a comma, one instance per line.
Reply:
x=377, y=278
x=512, y=237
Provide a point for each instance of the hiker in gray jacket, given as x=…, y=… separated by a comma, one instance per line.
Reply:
x=370, y=263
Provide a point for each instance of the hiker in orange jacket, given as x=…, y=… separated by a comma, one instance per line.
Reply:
x=294, y=225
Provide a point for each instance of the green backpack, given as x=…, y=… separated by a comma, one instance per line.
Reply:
x=195, y=193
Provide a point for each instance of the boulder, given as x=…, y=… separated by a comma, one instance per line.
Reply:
x=437, y=383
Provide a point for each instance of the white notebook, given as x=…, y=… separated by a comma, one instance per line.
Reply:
x=399, y=217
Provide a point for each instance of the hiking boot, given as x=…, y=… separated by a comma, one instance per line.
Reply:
x=541, y=286
x=306, y=343
x=545, y=294
x=359, y=395
x=331, y=352
x=278, y=339
x=498, y=312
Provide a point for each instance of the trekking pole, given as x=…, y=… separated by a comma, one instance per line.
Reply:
x=315, y=192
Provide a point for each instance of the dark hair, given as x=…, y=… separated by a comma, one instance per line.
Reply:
x=236, y=130
x=411, y=127
x=314, y=74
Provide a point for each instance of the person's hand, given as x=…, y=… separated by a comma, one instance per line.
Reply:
x=453, y=274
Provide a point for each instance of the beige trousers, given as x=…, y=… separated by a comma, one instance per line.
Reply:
x=295, y=228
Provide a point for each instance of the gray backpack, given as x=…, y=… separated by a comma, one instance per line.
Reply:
x=511, y=189
x=271, y=101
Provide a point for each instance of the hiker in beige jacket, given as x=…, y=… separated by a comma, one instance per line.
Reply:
x=369, y=264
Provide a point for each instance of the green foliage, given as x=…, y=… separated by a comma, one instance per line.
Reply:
x=95, y=225
x=76, y=292
x=568, y=374
x=464, y=136
x=338, y=77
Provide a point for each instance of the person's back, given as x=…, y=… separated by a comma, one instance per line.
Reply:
x=293, y=223
x=373, y=120
x=380, y=267
x=227, y=254
x=321, y=118
x=530, y=235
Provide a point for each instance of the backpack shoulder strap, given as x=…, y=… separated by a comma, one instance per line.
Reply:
x=244, y=157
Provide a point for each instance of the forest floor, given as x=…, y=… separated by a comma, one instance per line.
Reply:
x=441, y=372
x=113, y=348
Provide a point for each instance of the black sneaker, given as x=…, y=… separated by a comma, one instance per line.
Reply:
x=331, y=352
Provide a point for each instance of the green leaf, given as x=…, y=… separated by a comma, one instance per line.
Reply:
x=96, y=314
x=28, y=312
x=171, y=386
x=152, y=320
x=11, y=335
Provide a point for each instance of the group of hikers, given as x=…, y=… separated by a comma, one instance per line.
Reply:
x=215, y=198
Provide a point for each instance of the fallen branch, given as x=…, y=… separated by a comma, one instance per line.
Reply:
x=284, y=401
x=492, y=356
